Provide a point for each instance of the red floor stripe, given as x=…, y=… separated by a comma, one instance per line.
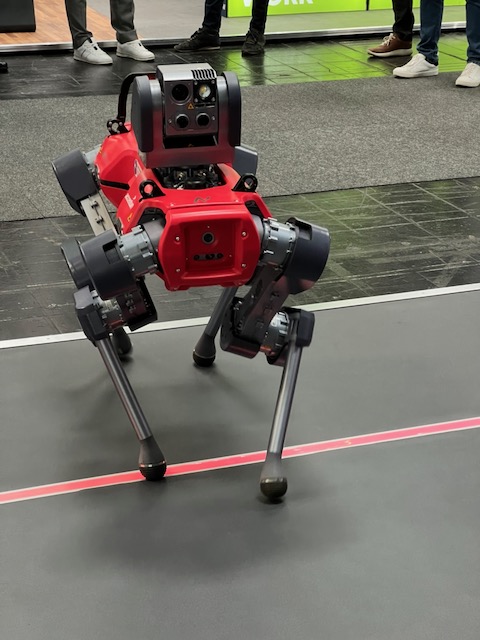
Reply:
x=212, y=464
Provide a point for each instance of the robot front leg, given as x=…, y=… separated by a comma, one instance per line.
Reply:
x=289, y=332
x=293, y=259
x=108, y=271
x=151, y=460
x=273, y=482
x=76, y=175
x=92, y=316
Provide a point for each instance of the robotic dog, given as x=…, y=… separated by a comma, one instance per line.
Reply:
x=187, y=211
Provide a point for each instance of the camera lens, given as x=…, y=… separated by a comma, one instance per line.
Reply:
x=182, y=121
x=180, y=92
x=203, y=119
x=208, y=237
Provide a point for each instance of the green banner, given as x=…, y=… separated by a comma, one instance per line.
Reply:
x=237, y=8
x=387, y=4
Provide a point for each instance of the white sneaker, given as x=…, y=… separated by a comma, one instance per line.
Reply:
x=90, y=52
x=134, y=50
x=470, y=76
x=418, y=67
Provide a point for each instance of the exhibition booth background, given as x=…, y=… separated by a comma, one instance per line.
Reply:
x=158, y=24
x=235, y=8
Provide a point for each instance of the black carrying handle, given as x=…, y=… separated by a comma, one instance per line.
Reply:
x=117, y=125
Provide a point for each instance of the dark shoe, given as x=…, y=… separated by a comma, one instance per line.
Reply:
x=201, y=40
x=254, y=44
x=392, y=46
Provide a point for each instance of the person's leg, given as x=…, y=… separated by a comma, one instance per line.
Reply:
x=212, y=18
x=470, y=76
x=404, y=19
x=85, y=49
x=431, y=13
x=128, y=45
x=254, y=44
x=207, y=37
x=259, y=16
x=425, y=63
x=121, y=16
x=473, y=31
x=77, y=21
x=399, y=42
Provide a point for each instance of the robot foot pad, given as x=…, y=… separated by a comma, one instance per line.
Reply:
x=151, y=462
x=273, y=488
x=202, y=361
x=153, y=472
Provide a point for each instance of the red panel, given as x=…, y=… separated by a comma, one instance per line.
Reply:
x=209, y=245
x=210, y=236
x=115, y=164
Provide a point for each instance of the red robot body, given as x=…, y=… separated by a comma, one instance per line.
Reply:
x=186, y=209
x=209, y=236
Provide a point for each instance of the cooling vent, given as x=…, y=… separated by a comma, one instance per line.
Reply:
x=204, y=74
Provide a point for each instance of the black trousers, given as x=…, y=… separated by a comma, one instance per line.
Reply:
x=213, y=15
x=404, y=19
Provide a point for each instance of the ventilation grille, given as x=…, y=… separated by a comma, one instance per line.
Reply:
x=204, y=74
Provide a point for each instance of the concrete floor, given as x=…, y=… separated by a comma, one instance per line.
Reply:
x=371, y=542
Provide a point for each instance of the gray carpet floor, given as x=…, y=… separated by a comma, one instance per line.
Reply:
x=313, y=137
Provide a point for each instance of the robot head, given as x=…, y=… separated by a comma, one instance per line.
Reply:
x=186, y=115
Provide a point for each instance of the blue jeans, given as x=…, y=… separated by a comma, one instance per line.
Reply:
x=431, y=13
x=213, y=15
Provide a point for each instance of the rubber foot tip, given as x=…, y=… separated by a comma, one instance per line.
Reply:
x=273, y=488
x=203, y=361
x=153, y=472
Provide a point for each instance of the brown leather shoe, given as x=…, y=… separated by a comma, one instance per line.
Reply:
x=391, y=46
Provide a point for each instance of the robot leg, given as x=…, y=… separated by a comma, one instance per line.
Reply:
x=93, y=316
x=295, y=255
x=273, y=482
x=75, y=174
x=204, y=351
x=111, y=294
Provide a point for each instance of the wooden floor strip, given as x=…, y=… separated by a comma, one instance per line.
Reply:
x=52, y=25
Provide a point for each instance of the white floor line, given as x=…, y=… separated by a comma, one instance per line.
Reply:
x=195, y=322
